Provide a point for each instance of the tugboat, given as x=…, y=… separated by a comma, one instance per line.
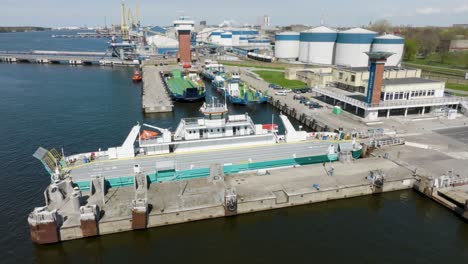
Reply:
x=136, y=76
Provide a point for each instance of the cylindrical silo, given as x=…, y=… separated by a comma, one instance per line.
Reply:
x=390, y=43
x=317, y=45
x=351, y=46
x=216, y=36
x=287, y=45
x=226, y=39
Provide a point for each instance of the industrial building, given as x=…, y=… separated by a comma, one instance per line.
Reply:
x=184, y=27
x=235, y=37
x=393, y=96
x=353, y=79
x=325, y=46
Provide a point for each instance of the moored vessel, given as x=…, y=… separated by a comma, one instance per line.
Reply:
x=136, y=76
x=184, y=86
x=238, y=92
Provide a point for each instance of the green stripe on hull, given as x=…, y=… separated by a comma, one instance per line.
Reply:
x=166, y=176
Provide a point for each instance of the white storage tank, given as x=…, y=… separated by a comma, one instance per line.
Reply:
x=317, y=45
x=287, y=45
x=351, y=46
x=226, y=39
x=216, y=36
x=390, y=43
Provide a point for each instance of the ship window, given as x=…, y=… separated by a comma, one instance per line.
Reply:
x=224, y=130
x=211, y=130
x=218, y=129
x=245, y=127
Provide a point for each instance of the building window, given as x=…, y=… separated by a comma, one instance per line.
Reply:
x=340, y=75
x=353, y=78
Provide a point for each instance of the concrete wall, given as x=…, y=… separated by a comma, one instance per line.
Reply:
x=265, y=203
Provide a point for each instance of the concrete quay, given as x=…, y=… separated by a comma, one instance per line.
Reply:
x=100, y=211
x=155, y=98
x=63, y=57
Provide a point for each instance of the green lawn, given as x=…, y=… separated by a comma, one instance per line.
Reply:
x=259, y=65
x=440, y=69
x=459, y=87
x=278, y=78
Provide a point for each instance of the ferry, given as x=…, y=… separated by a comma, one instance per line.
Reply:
x=182, y=87
x=237, y=92
x=234, y=141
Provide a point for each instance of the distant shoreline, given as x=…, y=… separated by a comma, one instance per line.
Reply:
x=22, y=29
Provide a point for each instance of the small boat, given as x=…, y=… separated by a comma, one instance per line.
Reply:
x=136, y=76
x=237, y=92
x=212, y=70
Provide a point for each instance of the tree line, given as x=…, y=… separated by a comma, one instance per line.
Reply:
x=428, y=43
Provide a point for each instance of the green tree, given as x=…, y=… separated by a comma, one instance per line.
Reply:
x=382, y=26
x=411, y=49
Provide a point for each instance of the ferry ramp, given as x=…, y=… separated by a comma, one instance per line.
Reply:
x=199, y=160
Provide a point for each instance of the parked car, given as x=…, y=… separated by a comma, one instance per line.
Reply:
x=275, y=86
x=297, y=97
x=281, y=93
x=287, y=90
x=314, y=105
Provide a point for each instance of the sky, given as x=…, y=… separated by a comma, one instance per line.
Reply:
x=335, y=13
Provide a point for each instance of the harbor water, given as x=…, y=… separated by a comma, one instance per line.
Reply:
x=83, y=108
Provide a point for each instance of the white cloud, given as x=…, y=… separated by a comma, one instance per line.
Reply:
x=428, y=10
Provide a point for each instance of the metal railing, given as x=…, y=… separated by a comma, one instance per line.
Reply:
x=403, y=103
x=342, y=97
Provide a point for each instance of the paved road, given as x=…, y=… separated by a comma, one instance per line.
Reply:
x=459, y=133
x=200, y=159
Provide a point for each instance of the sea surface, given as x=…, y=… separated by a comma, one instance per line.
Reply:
x=83, y=108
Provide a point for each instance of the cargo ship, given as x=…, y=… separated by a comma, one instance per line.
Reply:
x=237, y=92
x=182, y=87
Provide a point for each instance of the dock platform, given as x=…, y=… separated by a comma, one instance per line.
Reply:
x=218, y=195
x=155, y=98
